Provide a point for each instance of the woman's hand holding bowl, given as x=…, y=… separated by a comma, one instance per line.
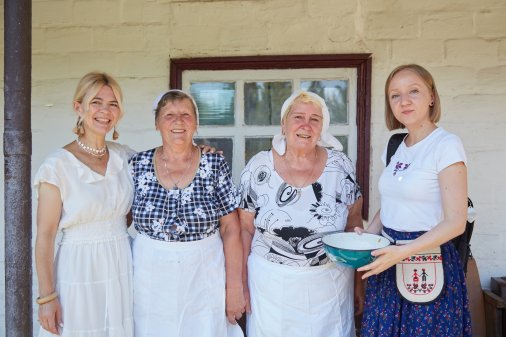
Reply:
x=384, y=259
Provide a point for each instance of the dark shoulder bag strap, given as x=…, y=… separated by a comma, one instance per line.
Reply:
x=463, y=241
x=394, y=142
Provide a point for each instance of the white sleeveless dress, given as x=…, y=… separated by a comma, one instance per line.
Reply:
x=93, y=263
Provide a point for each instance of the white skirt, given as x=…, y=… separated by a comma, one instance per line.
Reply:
x=179, y=289
x=94, y=280
x=291, y=301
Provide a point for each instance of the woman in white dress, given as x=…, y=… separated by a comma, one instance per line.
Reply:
x=85, y=191
x=292, y=195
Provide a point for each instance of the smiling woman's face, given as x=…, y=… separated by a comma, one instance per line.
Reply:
x=177, y=121
x=102, y=113
x=303, y=125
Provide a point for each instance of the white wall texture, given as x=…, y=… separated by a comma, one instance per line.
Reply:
x=462, y=42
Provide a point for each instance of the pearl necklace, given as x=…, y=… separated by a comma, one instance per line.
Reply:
x=91, y=150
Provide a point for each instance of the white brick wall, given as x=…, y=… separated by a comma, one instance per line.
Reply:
x=462, y=42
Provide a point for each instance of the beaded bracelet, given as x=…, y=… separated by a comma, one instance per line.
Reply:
x=47, y=299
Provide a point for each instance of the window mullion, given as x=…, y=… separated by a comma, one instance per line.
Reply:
x=239, y=103
x=239, y=149
x=238, y=139
x=246, y=131
x=296, y=83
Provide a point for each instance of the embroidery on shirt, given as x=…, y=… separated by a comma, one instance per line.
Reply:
x=399, y=167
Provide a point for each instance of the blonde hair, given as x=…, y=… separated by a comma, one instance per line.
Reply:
x=87, y=89
x=434, y=110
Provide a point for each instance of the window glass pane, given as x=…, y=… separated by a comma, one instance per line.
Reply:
x=344, y=142
x=263, y=101
x=221, y=144
x=215, y=101
x=335, y=93
x=255, y=145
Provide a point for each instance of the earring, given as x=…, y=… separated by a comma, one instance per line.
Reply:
x=115, y=134
x=431, y=103
x=79, y=128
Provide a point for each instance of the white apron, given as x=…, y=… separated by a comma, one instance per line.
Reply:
x=179, y=289
x=291, y=301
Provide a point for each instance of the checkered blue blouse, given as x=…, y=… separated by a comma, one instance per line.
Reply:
x=187, y=214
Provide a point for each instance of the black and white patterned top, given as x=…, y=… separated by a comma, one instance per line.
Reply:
x=187, y=214
x=290, y=222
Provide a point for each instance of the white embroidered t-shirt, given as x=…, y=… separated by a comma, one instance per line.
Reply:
x=409, y=185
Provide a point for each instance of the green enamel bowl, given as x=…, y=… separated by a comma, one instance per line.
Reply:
x=351, y=249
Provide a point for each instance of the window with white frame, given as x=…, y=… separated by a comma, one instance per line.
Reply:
x=240, y=100
x=240, y=109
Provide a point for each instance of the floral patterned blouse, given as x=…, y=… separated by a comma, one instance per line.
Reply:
x=289, y=221
x=188, y=214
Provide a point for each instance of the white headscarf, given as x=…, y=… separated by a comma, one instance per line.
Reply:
x=190, y=97
x=326, y=139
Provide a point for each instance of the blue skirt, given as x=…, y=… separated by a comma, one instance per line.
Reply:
x=386, y=313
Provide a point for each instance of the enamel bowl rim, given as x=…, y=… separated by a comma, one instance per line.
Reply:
x=383, y=239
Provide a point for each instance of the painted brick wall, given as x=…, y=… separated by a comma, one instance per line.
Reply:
x=462, y=42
